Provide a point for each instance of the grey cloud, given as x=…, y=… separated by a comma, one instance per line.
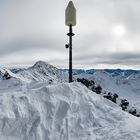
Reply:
x=113, y=59
x=129, y=12
x=39, y=24
x=26, y=44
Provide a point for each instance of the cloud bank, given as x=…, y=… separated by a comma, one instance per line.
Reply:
x=106, y=35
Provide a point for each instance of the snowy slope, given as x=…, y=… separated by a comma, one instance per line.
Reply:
x=8, y=79
x=125, y=86
x=6, y=74
x=65, y=110
x=42, y=71
x=61, y=112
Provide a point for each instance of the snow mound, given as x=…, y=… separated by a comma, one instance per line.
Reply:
x=63, y=112
x=42, y=71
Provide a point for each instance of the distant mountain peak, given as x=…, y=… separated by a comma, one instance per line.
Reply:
x=42, y=71
x=41, y=64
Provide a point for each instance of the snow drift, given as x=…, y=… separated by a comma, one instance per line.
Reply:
x=63, y=112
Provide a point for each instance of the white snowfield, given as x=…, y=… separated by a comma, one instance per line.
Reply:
x=127, y=87
x=62, y=112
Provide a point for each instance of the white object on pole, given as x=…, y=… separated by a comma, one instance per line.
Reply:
x=70, y=14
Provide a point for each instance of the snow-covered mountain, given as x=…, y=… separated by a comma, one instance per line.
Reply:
x=42, y=71
x=8, y=79
x=113, y=72
x=37, y=104
x=125, y=86
x=6, y=74
x=63, y=112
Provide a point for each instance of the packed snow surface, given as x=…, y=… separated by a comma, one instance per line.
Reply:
x=62, y=112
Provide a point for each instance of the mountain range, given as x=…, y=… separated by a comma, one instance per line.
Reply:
x=113, y=72
x=38, y=103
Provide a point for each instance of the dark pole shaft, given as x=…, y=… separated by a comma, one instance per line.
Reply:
x=70, y=53
x=70, y=34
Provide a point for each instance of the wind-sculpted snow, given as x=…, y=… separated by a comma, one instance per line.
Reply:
x=63, y=112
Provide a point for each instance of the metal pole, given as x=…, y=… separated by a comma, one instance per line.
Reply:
x=70, y=34
x=70, y=54
x=67, y=128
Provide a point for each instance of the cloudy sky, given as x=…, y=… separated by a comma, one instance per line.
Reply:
x=107, y=34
